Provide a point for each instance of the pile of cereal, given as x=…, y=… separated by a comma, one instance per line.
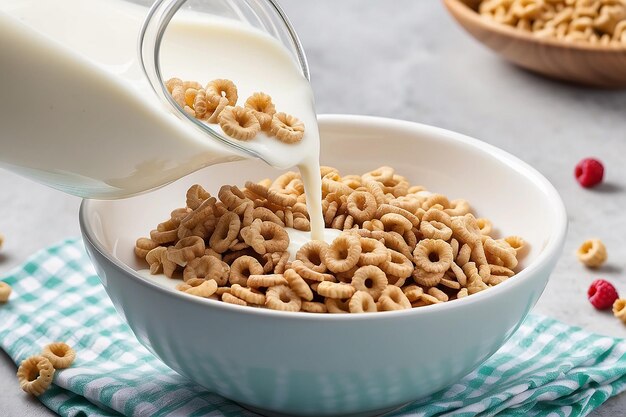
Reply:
x=217, y=103
x=601, y=22
x=401, y=246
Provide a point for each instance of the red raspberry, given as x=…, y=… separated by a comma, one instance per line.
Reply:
x=602, y=294
x=589, y=172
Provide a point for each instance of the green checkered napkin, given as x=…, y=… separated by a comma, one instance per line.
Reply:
x=546, y=369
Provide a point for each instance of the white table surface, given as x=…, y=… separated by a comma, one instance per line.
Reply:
x=407, y=59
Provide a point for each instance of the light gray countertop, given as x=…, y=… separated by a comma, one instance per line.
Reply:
x=407, y=59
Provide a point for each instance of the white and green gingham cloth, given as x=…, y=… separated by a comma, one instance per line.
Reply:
x=546, y=369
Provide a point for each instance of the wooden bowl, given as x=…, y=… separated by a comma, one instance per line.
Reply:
x=592, y=65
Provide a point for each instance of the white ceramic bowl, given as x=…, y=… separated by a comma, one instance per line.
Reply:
x=309, y=364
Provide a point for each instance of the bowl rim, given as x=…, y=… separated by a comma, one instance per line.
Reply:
x=551, y=250
x=459, y=6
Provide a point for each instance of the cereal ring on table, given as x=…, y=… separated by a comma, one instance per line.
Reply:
x=265, y=237
x=435, y=230
x=298, y=285
x=413, y=292
x=313, y=307
x=362, y=302
x=307, y=273
x=248, y=295
x=485, y=226
x=427, y=279
x=398, y=265
x=433, y=255
x=373, y=252
x=59, y=354
x=396, y=223
x=281, y=297
x=5, y=292
x=270, y=280
x=336, y=306
x=393, y=298
x=592, y=253
x=223, y=88
x=335, y=290
x=204, y=289
x=242, y=268
x=287, y=128
x=158, y=261
x=438, y=294
x=165, y=232
x=462, y=293
x=376, y=189
x=385, y=209
x=207, y=267
x=231, y=299
x=35, y=375
x=619, y=309
x=143, y=245
x=465, y=229
x=343, y=253
x=262, y=108
x=361, y=206
x=505, y=254
x=225, y=233
x=370, y=279
x=239, y=123
x=185, y=250
x=458, y=208
x=195, y=196
x=516, y=243
x=311, y=255
x=381, y=174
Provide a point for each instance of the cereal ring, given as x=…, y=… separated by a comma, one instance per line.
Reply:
x=592, y=253
x=200, y=104
x=465, y=229
x=619, y=309
x=265, y=237
x=281, y=297
x=361, y=206
x=516, y=243
x=464, y=254
x=207, y=267
x=281, y=199
x=143, y=246
x=362, y=302
x=433, y=256
x=204, y=213
x=271, y=280
x=384, y=209
x=214, y=107
x=501, y=270
x=413, y=292
x=376, y=189
x=239, y=123
x=396, y=223
x=59, y=354
x=343, y=253
x=35, y=375
x=427, y=279
x=165, y=232
x=280, y=260
x=436, y=199
x=248, y=295
x=458, y=273
x=185, y=250
x=242, y=268
x=435, y=230
x=373, y=252
x=407, y=203
x=223, y=88
x=335, y=290
x=173, y=82
x=485, y=226
x=438, y=294
x=336, y=306
x=373, y=224
x=307, y=273
x=231, y=299
x=313, y=307
x=381, y=174
x=298, y=285
x=398, y=265
x=225, y=233
x=158, y=260
x=231, y=196
x=370, y=279
x=5, y=292
x=393, y=298
x=457, y=208
x=266, y=215
x=205, y=289
x=262, y=108
x=311, y=255
x=196, y=195
x=287, y=128
x=506, y=255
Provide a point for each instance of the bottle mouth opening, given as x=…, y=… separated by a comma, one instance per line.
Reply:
x=265, y=15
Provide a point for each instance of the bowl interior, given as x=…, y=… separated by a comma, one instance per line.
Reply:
x=517, y=199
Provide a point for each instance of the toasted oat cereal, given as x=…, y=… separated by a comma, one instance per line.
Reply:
x=287, y=128
x=592, y=253
x=59, y=354
x=362, y=302
x=223, y=88
x=239, y=123
x=35, y=375
x=619, y=309
x=5, y=292
x=262, y=108
x=281, y=297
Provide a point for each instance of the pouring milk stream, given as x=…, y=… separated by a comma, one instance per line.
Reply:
x=78, y=113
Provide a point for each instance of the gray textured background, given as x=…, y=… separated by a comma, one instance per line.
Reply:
x=407, y=59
